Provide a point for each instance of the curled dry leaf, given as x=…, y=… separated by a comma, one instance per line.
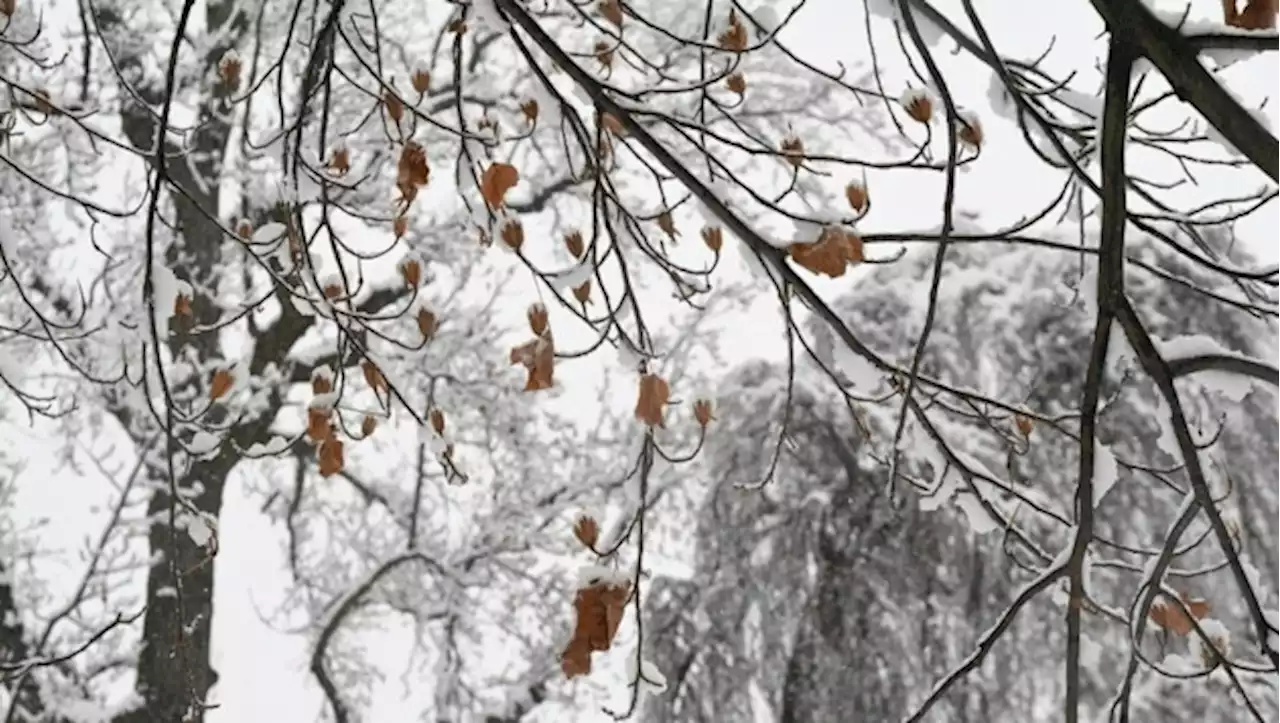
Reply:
x=426, y=324
x=496, y=180
x=734, y=38
x=918, y=105
x=412, y=171
x=411, y=272
x=8, y=7
x=604, y=54
x=831, y=254
x=436, y=419
x=970, y=132
x=582, y=292
x=368, y=425
x=1169, y=615
x=1257, y=14
x=420, y=80
x=392, y=103
x=182, y=306
x=318, y=427
x=373, y=376
x=340, y=162
x=611, y=10
x=331, y=456
x=229, y=69
x=736, y=83
x=703, y=412
x=538, y=319
x=512, y=234
x=587, y=531
x=244, y=230
x=667, y=225
x=793, y=151
x=529, y=109
x=1024, y=424
x=539, y=358
x=652, y=399
x=332, y=291
x=400, y=226
x=321, y=382
x=713, y=237
x=573, y=242
x=856, y=194
x=221, y=383
x=599, y=607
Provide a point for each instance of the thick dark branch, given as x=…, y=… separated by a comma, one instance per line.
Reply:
x=1232, y=363
x=1177, y=59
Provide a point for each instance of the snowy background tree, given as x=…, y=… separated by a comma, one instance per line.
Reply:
x=442, y=326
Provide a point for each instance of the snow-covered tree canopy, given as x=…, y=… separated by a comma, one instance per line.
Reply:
x=452, y=296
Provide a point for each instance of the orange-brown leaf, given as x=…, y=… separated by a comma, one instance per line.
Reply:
x=340, y=162
x=582, y=292
x=426, y=324
x=412, y=171
x=573, y=242
x=1169, y=615
x=587, y=531
x=436, y=417
x=496, y=180
x=538, y=319
x=529, y=109
x=736, y=83
x=830, y=254
x=318, y=427
x=856, y=194
x=411, y=272
x=734, y=38
x=1257, y=14
x=652, y=399
x=395, y=109
x=331, y=456
x=713, y=237
x=373, y=376
x=703, y=412
x=599, y=607
x=539, y=358
x=321, y=384
x=368, y=425
x=222, y=382
x=667, y=225
x=612, y=11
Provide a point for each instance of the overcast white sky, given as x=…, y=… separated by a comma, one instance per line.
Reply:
x=263, y=671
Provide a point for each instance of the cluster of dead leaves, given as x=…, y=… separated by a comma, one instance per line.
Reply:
x=538, y=356
x=1170, y=616
x=1257, y=14
x=833, y=252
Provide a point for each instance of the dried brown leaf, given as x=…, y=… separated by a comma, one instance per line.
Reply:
x=496, y=180
x=221, y=383
x=587, y=531
x=331, y=456
x=652, y=399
